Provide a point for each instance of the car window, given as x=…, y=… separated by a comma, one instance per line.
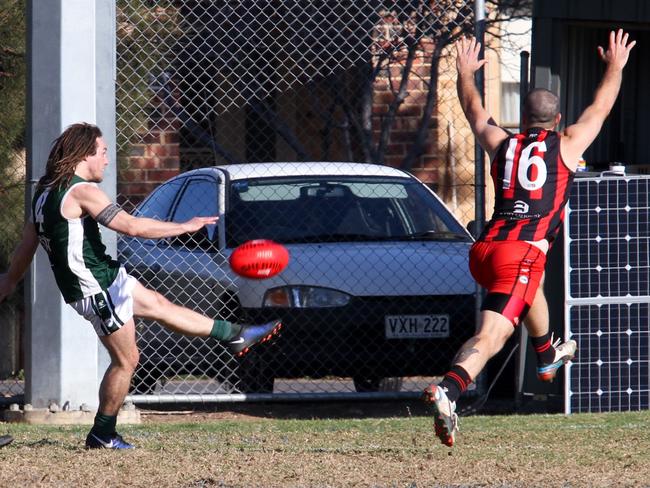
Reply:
x=158, y=205
x=319, y=209
x=198, y=199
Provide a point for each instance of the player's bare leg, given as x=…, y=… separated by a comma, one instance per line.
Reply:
x=152, y=305
x=114, y=387
x=551, y=354
x=492, y=335
x=124, y=355
x=468, y=363
x=240, y=337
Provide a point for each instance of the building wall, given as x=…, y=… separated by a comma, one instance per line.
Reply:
x=447, y=162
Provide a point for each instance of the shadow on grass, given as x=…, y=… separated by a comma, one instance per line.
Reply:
x=354, y=409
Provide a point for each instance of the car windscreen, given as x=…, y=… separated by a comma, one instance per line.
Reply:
x=336, y=209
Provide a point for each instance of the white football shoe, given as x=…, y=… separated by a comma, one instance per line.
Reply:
x=563, y=354
x=444, y=414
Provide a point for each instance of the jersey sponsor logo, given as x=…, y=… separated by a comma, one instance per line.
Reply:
x=523, y=279
x=521, y=207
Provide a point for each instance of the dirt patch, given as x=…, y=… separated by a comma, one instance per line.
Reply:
x=251, y=449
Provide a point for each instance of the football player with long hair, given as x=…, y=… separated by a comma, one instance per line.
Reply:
x=67, y=208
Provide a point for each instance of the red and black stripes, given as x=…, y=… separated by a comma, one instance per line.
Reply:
x=532, y=186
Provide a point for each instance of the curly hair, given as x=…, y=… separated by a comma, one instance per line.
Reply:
x=74, y=145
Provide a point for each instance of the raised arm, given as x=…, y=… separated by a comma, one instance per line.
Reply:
x=22, y=256
x=579, y=136
x=489, y=135
x=91, y=199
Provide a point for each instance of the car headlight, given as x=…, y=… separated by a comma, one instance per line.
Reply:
x=305, y=297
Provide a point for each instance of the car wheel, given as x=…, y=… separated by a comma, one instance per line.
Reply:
x=370, y=384
x=256, y=384
x=254, y=375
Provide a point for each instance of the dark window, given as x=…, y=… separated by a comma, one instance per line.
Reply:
x=158, y=205
x=621, y=138
x=334, y=210
x=199, y=199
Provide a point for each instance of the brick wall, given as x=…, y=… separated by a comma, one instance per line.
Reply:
x=405, y=125
x=150, y=162
x=447, y=162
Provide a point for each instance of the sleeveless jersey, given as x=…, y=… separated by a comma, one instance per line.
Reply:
x=77, y=255
x=532, y=186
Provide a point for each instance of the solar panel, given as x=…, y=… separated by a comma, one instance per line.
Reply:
x=607, y=289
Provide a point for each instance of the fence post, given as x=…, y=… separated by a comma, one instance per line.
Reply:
x=479, y=175
x=71, y=79
x=479, y=166
x=520, y=358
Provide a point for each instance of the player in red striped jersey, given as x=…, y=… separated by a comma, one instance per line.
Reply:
x=532, y=174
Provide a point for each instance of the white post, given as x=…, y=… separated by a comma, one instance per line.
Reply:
x=71, y=79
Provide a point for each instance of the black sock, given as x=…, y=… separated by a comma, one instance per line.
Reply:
x=104, y=425
x=455, y=382
x=543, y=348
x=224, y=330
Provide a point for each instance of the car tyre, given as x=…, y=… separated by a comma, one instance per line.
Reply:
x=373, y=384
x=254, y=375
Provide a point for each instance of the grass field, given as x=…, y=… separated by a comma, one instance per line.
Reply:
x=206, y=450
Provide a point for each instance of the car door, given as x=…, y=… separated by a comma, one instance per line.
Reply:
x=196, y=271
x=188, y=270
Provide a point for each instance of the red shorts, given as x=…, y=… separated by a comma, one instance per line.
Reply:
x=512, y=268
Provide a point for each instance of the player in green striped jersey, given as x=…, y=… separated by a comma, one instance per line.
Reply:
x=67, y=207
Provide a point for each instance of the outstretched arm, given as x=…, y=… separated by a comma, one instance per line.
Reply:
x=96, y=203
x=23, y=255
x=489, y=135
x=579, y=136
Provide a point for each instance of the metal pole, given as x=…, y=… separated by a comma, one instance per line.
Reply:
x=479, y=166
x=520, y=358
x=70, y=79
x=479, y=175
x=524, y=83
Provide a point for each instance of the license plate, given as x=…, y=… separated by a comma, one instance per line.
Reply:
x=417, y=326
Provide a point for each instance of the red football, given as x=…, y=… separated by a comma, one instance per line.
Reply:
x=259, y=259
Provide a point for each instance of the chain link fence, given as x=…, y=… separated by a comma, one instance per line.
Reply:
x=12, y=191
x=204, y=83
x=12, y=195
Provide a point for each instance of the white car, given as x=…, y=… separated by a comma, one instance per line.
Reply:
x=377, y=286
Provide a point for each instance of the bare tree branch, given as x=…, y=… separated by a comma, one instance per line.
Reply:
x=417, y=148
x=367, y=91
x=400, y=96
x=162, y=87
x=274, y=120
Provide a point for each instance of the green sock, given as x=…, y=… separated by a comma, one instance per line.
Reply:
x=224, y=330
x=104, y=425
